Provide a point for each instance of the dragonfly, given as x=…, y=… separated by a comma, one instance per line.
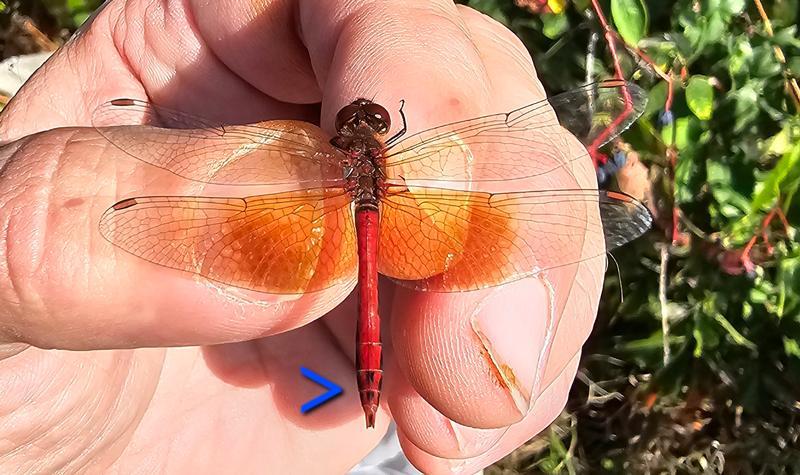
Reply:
x=361, y=204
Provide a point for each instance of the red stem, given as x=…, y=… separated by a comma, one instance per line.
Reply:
x=609, y=37
x=747, y=262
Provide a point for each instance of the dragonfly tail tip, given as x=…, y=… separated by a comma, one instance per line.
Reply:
x=369, y=413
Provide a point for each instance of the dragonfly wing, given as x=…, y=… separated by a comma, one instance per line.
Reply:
x=596, y=113
x=283, y=243
x=524, y=143
x=444, y=240
x=624, y=218
x=273, y=152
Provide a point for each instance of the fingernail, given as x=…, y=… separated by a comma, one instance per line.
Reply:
x=513, y=323
x=473, y=442
x=457, y=466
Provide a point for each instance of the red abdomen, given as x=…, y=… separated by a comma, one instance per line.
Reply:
x=368, y=333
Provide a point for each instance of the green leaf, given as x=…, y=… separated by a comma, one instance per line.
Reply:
x=771, y=184
x=656, y=98
x=786, y=282
x=630, y=18
x=784, y=12
x=556, y=446
x=698, y=340
x=731, y=7
x=706, y=336
x=653, y=342
x=767, y=193
x=794, y=66
x=791, y=347
x=79, y=18
x=677, y=130
x=782, y=142
x=700, y=97
x=553, y=26
x=758, y=296
x=715, y=29
x=686, y=173
x=74, y=5
x=740, y=53
x=737, y=337
x=746, y=106
x=687, y=132
x=764, y=64
x=787, y=37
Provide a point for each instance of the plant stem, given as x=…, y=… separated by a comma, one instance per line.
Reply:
x=662, y=299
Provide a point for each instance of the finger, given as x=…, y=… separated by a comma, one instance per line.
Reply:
x=384, y=62
x=500, y=49
x=64, y=286
x=261, y=43
x=477, y=352
x=576, y=320
x=422, y=53
x=152, y=49
x=547, y=408
x=479, y=357
x=494, y=45
x=272, y=366
x=428, y=429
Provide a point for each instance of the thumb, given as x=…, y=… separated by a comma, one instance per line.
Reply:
x=63, y=286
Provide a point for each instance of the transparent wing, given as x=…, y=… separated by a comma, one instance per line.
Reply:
x=273, y=152
x=624, y=218
x=444, y=240
x=520, y=144
x=283, y=243
x=598, y=113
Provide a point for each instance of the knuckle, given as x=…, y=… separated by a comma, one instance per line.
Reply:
x=485, y=27
x=27, y=167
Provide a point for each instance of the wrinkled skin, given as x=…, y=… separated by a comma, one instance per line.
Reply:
x=174, y=373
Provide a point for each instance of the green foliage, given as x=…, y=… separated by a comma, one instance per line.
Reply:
x=734, y=335
x=700, y=97
x=559, y=459
x=71, y=14
x=630, y=18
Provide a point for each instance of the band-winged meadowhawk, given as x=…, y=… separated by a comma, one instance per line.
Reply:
x=405, y=207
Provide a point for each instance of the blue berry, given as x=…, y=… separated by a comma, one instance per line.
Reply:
x=665, y=118
x=619, y=158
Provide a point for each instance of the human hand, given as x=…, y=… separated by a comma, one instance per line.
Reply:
x=233, y=406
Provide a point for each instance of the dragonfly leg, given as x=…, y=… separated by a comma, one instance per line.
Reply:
x=402, y=131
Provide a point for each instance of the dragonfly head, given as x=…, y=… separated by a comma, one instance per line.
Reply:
x=360, y=113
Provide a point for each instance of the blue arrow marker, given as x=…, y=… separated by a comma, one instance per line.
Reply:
x=333, y=390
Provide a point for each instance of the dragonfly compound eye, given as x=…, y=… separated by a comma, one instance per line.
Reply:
x=346, y=116
x=377, y=117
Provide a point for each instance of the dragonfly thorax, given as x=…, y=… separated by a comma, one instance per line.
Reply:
x=359, y=127
x=363, y=171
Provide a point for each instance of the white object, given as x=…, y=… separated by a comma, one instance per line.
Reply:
x=14, y=71
x=386, y=459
